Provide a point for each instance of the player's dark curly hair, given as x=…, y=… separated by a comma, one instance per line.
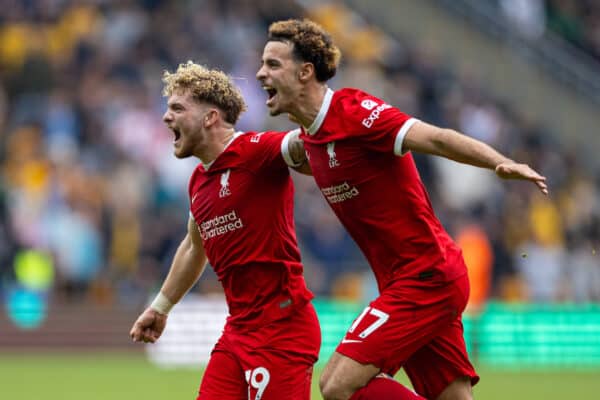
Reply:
x=311, y=44
x=209, y=85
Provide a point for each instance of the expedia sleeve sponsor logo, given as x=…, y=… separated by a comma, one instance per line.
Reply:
x=374, y=116
x=368, y=104
x=220, y=225
x=339, y=193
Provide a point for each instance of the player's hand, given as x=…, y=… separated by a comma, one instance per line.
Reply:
x=513, y=170
x=148, y=327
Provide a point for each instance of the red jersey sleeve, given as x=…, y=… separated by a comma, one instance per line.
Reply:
x=270, y=150
x=380, y=126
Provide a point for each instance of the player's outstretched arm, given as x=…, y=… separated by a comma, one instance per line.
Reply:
x=426, y=138
x=187, y=267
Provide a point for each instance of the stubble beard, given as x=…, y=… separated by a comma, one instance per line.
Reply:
x=274, y=112
x=181, y=153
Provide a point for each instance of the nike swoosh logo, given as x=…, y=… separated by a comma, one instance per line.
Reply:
x=351, y=341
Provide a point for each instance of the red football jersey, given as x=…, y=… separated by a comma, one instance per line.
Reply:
x=243, y=205
x=354, y=147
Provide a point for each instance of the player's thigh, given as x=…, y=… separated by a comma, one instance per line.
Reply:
x=394, y=326
x=443, y=364
x=223, y=379
x=278, y=359
x=460, y=389
x=343, y=374
x=272, y=375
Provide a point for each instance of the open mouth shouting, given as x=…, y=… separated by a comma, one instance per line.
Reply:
x=271, y=93
x=177, y=135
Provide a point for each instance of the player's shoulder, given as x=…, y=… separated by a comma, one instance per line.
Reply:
x=352, y=100
x=354, y=110
x=249, y=144
x=356, y=105
x=256, y=138
x=254, y=148
x=199, y=170
x=196, y=176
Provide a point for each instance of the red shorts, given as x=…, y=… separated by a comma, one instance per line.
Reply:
x=272, y=362
x=418, y=329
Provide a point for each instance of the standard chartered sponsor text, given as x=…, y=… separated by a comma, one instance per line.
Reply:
x=220, y=225
x=339, y=193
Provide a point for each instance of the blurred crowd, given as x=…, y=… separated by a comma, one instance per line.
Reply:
x=576, y=21
x=88, y=181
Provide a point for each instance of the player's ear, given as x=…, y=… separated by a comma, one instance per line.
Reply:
x=211, y=117
x=306, y=71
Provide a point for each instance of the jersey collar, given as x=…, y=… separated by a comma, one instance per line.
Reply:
x=235, y=136
x=314, y=127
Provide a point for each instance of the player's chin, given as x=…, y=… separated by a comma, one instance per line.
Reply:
x=180, y=153
x=274, y=111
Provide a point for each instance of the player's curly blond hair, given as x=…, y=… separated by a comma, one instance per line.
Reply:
x=311, y=44
x=206, y=85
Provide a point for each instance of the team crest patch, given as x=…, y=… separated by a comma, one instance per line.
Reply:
x=333, y=162
x=225, y=184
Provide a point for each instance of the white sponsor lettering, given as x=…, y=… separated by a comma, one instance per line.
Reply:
x=220, y=225
x=339, y=193
x=368, y=104
x=374, y=116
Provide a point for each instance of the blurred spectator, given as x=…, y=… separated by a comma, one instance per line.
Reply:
x=527, y=16
x=478, y=255
x=577, y=22
x=541, y=261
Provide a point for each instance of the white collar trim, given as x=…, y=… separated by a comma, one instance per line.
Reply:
x=235, y=136
x=314, y=127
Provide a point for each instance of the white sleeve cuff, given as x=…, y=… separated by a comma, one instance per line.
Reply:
x=285, y=149
x=400, y=136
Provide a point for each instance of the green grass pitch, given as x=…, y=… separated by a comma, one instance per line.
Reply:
x=102, y=376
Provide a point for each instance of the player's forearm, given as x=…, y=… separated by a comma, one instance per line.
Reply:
x=304, y=169
x=298, y=155
x=458, y=147
x=187, y=267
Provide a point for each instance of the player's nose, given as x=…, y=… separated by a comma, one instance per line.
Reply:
x=260, y=74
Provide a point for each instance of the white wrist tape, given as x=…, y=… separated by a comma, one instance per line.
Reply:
x=161, y=304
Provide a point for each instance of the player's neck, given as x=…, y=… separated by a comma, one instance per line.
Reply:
x=309, y=104
x=216, y=146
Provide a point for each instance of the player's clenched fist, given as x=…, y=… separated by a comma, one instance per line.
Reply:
x=148, y=327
